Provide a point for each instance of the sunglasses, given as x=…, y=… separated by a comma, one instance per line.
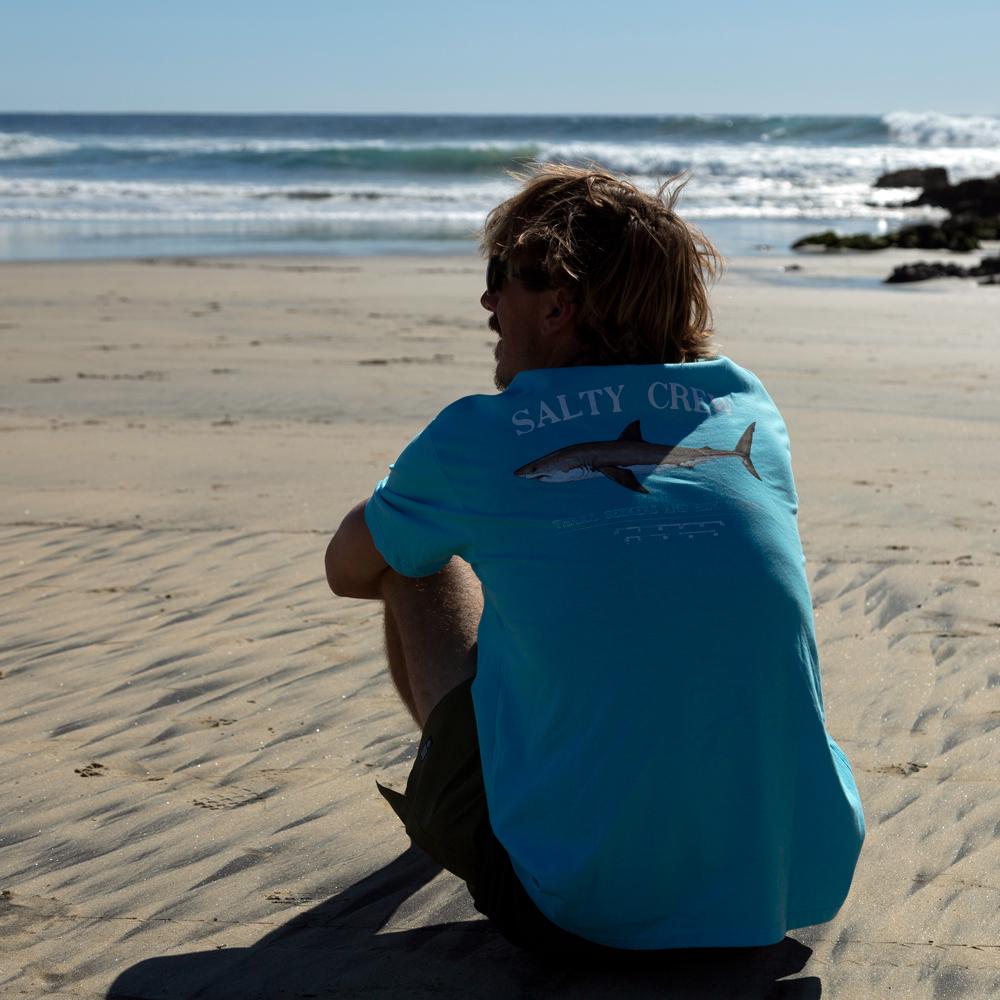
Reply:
x=499, y=270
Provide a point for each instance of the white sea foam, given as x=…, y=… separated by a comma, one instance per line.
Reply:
x=707, y=196
x=24, y=145
x=36, y=199
x=807, y=163
x=970, y=139
x=177, y=192
x=933, y=128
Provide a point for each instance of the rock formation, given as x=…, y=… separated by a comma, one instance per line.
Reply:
x=988, y=268
x=928, y=178
x=974, y=215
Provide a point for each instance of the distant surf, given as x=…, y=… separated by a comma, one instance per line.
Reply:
x=132, y=185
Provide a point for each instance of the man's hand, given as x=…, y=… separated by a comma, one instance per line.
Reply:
x=354, y=567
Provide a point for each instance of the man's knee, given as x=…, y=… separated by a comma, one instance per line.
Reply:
x=432, y=625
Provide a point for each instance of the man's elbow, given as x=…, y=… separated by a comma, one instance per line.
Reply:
x=354, y=567
x=334, y=579
x=341, y=582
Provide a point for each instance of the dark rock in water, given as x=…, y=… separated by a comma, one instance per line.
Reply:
x=829, y=240
x=922, y=271
x=977, y=197
x=928, y=178
x=974, y=215
x=863, y=241
x=959, y=233
x=981, y=228
x=922, y=236
x=988, y=267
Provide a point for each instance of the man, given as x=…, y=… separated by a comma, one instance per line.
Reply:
x=596, y=606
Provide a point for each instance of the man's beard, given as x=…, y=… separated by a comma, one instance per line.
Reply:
x=499, y=380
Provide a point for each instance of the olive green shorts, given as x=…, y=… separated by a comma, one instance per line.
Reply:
x=445, y=813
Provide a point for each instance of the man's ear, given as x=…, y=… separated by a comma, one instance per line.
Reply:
x=560, y=313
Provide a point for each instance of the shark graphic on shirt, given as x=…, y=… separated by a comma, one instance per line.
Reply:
x=630, y=453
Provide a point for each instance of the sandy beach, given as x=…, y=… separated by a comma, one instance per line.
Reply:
x=192, y=724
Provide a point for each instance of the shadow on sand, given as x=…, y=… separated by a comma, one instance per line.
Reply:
x=335, y=950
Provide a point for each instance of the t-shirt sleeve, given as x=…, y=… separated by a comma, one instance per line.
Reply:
x=413, y=516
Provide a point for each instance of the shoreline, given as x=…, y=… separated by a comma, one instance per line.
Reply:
x=77, y=242
x=821, y=269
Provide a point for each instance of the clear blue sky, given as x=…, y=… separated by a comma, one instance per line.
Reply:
x=644, y=57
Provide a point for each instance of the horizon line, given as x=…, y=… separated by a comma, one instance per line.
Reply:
x=514, y=114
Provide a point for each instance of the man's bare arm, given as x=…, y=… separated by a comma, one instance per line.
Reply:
x=354, y=567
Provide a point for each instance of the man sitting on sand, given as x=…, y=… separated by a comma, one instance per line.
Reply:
x=596, y=605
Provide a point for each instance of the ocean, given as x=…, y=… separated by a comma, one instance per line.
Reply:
x=77, y=186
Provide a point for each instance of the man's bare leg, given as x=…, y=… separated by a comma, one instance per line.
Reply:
x=430, y=633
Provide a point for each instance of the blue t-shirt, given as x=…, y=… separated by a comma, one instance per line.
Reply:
x=648, y=693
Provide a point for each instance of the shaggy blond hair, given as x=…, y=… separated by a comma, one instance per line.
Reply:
x=638, y=272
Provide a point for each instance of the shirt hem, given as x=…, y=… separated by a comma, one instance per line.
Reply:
x=702, y=938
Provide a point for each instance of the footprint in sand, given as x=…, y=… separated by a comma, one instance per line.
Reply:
x=289, y=899
x=902, y=769
x=228, y=799
x=91, y=770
